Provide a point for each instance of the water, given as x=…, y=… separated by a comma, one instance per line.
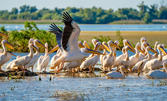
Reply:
x=151, y=27
x=81, y=86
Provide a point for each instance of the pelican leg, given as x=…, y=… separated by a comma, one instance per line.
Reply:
x=61, y=67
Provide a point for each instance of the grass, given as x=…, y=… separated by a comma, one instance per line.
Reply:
x=132, y=36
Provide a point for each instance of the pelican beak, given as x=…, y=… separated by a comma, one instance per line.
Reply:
x=12, y=54
x=115, y=45
x=132, y=50
x=3, y=35
x=152, y=50
x=106, y=47
x=80, y=45
x=163, y=50
x=86, y=45
x=54, y=49
x=9, y=45
x=93, y=51
x=139, y=48
x=34, y=47
x=40, y=44
x=130, y=46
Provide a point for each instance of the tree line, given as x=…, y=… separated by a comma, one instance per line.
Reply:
x=92, y=15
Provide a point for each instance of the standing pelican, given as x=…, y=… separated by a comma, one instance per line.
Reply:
x=68, y=42
x=108, y=60
x=36, y=43
x=5, y=56
x=43, y=61
x=154, y=63
x=92, y=60
x=22, y=61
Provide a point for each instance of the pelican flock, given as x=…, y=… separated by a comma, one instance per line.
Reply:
x=73, y=55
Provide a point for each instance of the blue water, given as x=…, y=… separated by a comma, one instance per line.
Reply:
x=152, y=27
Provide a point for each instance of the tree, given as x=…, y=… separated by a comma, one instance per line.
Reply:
x=33, y=9
x=163, y=12
x=14, y=11
x=24, y=8
x=142, y=9
x=147, y=18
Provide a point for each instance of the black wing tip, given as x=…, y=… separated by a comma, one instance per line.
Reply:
x=54, y=28
x=66, y=17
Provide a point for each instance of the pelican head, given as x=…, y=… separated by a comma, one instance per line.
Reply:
x=4, y=35
x=86, y=44
x=143, y=39
x=46, y=45
x=94, y=41
x=80, y=44
x=6, y=43
x=127, y=43
x=161, y=48
x=105, y=46
x=114, y=44
x=31, y=40
x=138, y=47
x=145, y=44
x=126, y=48
x=37, y=43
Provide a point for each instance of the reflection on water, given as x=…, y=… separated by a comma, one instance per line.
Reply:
x=81, y=86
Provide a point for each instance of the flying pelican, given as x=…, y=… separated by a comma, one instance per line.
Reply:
x=154, y=63
x=22, y=61
x=108, y=60
x=68, y=42
x=43, y=61
x=157, y=74
x=37, y=44
x=92, y=60
x=5, y=56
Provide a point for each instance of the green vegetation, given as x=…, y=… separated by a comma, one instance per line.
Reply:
x=20, y=38
x=144, y=14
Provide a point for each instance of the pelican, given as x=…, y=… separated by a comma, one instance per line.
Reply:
x=68, y=42
x=123, y=56
x=91, y=61
x=22, y=61
x=5, y=56
x=43, y=61
x=135, y=58
x=70, y=66
x=140, y=65
x=154, y=63
x=115, y=74
x=108, y=60
x=157, y=74
x=37, y=44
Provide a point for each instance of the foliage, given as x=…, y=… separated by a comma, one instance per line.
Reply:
x=20, y=38
x=92, y=15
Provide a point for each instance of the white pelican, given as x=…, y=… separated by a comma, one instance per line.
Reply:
x=115, y=74
x=91, y=61
x=35, y=57
x=157, y=74
x=135, y=58
x=154, y=63
x=22, y=61
x=5, y=56
x=68, y=42
x=140, y=65
x=123, y=56
x=104, y=52
x=70, y=66
x=43, y=61
x=108, y=60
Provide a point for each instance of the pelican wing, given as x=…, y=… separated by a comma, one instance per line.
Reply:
x=67, y=30
x=54, y=29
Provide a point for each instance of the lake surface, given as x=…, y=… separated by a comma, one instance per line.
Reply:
x=82, y=87
x=152, y=27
